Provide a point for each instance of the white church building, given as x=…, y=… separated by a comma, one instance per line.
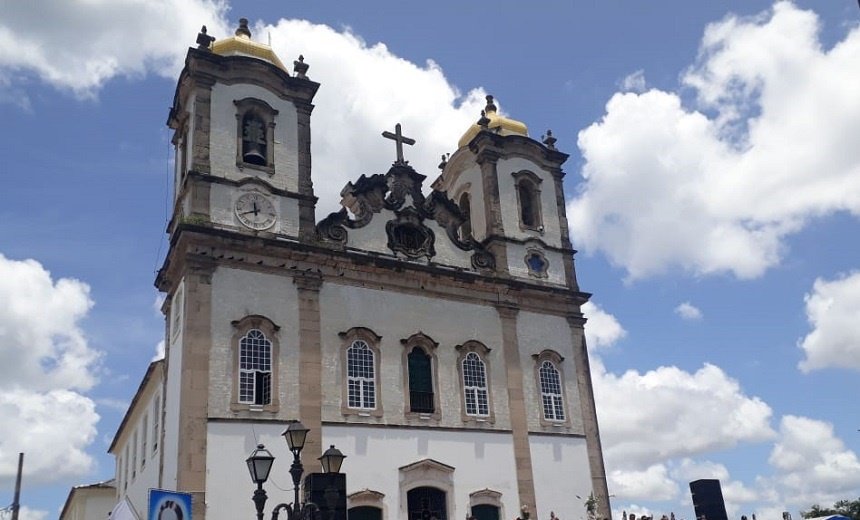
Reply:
x=434, y=334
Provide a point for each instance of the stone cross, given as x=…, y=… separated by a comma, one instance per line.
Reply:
x=398, y=138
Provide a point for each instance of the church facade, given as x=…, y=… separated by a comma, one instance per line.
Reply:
x=432, y=333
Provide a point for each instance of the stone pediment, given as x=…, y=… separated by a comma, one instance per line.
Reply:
x=397, y=197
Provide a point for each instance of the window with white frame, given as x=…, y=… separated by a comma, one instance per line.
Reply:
x=144, y=433
x=255, y=368
x=550, y=390
x=134, y=456
x=475, y=386
x=361, y=376
x=156, y=415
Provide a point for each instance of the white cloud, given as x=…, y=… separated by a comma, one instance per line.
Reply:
x=718, y=187
x=648, y=418
x=52, y=429
x=814, y=465
x=32, y=514
x=652, y=483
x=688, y=311
x=79, y=46
x=832, y=309
x=44, y=362
x=602, y=329
x=159, y=351
x=634, y=82
x=43, y=346
x=383, y=90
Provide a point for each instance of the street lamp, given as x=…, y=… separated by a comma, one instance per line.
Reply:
x=260, y=465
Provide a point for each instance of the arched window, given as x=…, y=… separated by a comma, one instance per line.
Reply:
x=475, y=386
x=465, y=205
x=255, y=134
x=255, y=368
x=421, y=399
x=527, y=205
x=528, y=199
x=550, y=391
x=361, y=376
x=419, y=376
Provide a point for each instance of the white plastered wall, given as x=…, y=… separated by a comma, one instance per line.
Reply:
x=517, y=262
x=510, y=210
x=222, y=203
x=561, y=473
x=397, y=316
x=480, y=460
x=236, y=294
x=171, y=398
x=535, y=333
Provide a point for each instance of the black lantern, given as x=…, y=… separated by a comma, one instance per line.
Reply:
x=332, y=460
x=295, y=434
x=260, y=464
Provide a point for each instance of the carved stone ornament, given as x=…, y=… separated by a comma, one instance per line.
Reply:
x=408, y=235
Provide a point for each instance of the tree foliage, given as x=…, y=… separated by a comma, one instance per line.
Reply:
x=849, y=508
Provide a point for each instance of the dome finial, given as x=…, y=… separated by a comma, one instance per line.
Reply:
x=491, y=107
x=243, y=28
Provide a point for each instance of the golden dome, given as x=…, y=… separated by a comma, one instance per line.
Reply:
x=243, y=45
x=494, y=122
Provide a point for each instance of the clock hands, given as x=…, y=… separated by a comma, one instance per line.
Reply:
x=255, y=211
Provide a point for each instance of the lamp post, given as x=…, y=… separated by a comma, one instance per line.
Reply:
x=260, y=464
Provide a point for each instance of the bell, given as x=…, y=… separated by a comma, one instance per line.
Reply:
x=253, y=155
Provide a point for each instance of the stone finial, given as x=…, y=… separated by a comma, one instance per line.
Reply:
x=549, y=140
x=491, y=107
x=243, y=28
x=484, y=121
x=300, y=67
x=204, y=41
x=444, y=162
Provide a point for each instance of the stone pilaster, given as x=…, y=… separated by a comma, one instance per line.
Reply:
x=589, y=418
x=569, y=269
x=488, y=159
x=310, y=367
x=307, y=218
x=202, y=123
x=194, y=386
x=517, y=407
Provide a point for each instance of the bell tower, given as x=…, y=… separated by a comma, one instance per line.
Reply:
x=242, y=137
x=242, y=183
x=509, y=188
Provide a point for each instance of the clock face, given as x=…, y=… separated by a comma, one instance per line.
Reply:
x=255, y=211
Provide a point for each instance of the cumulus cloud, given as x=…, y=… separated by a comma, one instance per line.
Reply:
x=80, y=45
x=665, y=413
x=717, y=187
x=383, y=89
x=688, y=311
x=159, y=351
x=814, y=465
x=634, y=82
x=45, y=363
x=832, y=309
x=602, y=329
x=652, y=483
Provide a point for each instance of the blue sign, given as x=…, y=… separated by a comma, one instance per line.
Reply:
x=169, y=505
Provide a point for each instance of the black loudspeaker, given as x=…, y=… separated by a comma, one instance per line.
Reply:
x=708, y=499
x=328, y=492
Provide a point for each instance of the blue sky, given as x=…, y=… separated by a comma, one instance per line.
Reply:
x=713, y=192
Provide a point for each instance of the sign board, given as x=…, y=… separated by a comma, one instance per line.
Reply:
x=169, y=505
